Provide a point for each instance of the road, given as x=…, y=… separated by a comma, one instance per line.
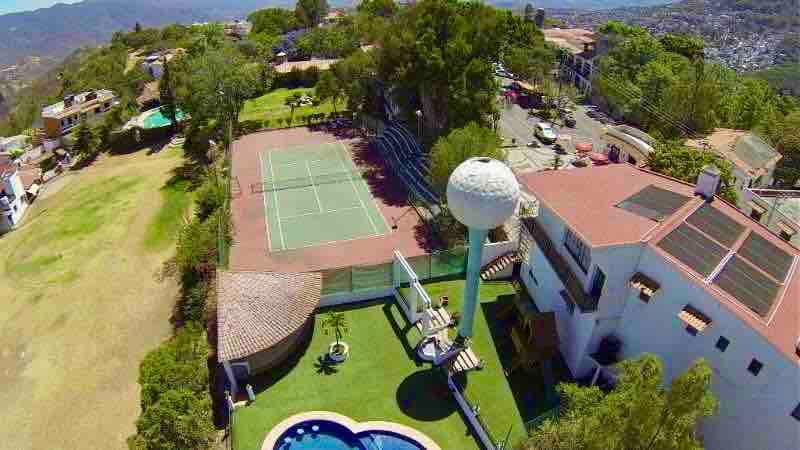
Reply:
x=515, y=124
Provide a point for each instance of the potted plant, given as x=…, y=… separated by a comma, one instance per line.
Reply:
x=336, y=323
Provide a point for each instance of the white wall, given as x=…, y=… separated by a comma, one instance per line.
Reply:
x=12, y=185
x=345, y=298
x=754, y=410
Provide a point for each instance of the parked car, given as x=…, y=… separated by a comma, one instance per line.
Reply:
x=570, y=121
x=545, y=132
x=533, y=144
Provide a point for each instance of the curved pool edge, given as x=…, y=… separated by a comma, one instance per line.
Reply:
x=354, y=426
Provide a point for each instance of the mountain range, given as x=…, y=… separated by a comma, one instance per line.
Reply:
x=62, y=28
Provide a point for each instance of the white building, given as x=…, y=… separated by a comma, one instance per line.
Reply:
x=13, y=198
x=617, y=250
x=578, y=56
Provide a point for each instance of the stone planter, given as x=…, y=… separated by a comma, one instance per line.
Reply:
x=338, y=352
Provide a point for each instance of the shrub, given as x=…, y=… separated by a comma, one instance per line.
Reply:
x=211, y=194
x=180, y=420
x=180, y=363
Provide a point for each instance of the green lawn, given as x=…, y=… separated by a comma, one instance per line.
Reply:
x=268, y=110
x=382, y=380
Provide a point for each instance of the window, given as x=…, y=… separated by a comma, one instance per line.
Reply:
x=696, y=322
x=722, y=343
x=580, y=252
x=796, y=412
x=755, y=367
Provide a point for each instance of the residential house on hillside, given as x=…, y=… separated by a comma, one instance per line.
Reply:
x=778, y=210
x=60, y=118
x=237, y=29
x=13, y=198
x=154, y=62
x=9, y=144
x=631, y=262
x=753, y=159
x=579, y=51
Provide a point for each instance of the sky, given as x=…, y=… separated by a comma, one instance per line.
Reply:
x=9, y=6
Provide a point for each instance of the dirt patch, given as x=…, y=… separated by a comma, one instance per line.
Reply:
x=86, y=307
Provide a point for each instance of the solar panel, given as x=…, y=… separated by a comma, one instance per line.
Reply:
x=696, y=251
x=716, y=224
x=750, y=287
x=654, y=203
x=766, y=256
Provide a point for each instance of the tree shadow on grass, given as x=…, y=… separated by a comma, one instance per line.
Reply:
x=424, y=396
x=527, y=387
x=325, y=366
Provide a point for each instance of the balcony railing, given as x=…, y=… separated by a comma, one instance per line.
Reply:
x=586, y=302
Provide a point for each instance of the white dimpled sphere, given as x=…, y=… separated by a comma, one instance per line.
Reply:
x=482, y=193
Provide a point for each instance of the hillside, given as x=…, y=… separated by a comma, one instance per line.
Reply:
x=60, y=29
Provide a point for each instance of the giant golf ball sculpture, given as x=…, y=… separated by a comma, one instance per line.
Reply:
x=482, y=193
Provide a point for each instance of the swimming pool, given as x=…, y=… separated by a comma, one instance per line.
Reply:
x=320, y=434
x=157, y=119
x=330, y=431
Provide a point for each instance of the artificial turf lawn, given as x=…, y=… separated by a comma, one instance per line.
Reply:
x=382, y=381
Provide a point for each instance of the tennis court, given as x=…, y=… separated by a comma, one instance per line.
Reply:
x=315, y=195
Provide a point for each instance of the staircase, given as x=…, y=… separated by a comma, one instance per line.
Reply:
x=466, y=360
x=498, y=264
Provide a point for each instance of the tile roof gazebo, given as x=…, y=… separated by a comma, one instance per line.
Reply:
x=262, y=317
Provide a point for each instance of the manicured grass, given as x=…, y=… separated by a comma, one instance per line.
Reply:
x=382, y=380
x=269, y=108
x=488, y=387
x=162, y=229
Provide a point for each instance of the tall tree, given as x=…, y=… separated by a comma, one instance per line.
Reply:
x=685, y=163
x=167, y=95
x=330, y=87
x=378, y=8
x=638, y=414
x=460, y=145
x=439, y=51
x=274, y=21
x=311, y=12
x=85, y=143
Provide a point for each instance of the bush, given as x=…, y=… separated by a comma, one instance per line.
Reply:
x=211, y=194
x=180, y=420
x=180, y=363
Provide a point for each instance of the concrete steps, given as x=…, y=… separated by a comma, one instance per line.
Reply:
x=497, y=265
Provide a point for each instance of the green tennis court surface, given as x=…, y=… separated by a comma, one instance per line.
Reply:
x=315, y=195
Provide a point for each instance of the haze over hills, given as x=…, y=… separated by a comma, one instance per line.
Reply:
x=62, y=28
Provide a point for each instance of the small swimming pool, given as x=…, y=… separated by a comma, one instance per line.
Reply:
x=323, y=434
x=157, y=119
x=317, y=430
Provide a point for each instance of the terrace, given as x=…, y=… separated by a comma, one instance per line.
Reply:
x=383, y=380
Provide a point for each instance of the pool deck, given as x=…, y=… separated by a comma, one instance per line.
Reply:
x=355, y=427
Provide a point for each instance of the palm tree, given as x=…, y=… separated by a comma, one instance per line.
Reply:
x=292, y=101
x=335, y=323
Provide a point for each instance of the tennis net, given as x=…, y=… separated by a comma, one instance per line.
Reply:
x=296, y=183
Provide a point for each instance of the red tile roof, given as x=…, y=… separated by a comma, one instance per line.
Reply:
x=257, y=310
x=586, y=199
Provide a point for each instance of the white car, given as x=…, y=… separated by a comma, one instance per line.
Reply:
x=545, y=132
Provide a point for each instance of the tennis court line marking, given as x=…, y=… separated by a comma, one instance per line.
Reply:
x=275, y=196
x=377, y=208
x=321, y=213
x=314, y=186
x=360, y=200
x=264, y=200
x=320, y=244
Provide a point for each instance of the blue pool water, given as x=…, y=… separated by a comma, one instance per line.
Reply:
x=157, y=119
x=332, y=436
